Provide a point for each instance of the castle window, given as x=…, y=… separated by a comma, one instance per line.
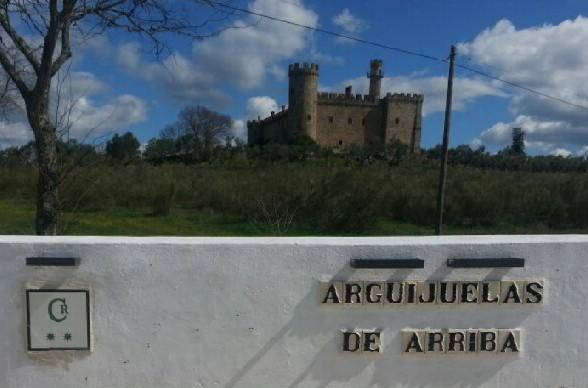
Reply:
x=397, y=120
x=330, y=119
x=362, y=121
x=340, y=142
x=349, y=121
x=308, y=117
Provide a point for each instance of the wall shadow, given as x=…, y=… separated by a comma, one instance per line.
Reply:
x=329, y=366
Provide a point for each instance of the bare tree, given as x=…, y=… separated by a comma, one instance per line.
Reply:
x=7, y=95
x=40, y=32
x=207, y=125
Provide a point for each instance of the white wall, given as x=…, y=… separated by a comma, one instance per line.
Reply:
x=244, y=312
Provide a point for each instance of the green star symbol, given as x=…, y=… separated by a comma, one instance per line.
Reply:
x=50, y=336
x=67, y=336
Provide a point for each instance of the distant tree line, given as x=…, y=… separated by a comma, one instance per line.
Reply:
x=303, y=187
x=510, y=158
x=201, y=135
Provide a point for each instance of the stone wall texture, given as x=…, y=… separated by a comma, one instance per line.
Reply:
x=341, y=120
x=403, y=121
x=342, y=125
x=302, y=96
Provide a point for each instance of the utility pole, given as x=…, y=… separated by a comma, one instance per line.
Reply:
x=444, y=152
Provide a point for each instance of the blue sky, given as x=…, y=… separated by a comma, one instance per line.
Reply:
x=118, y=85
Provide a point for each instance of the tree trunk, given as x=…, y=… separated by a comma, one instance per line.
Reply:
x=47, y=216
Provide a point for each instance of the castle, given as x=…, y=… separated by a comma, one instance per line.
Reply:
x=340, y=120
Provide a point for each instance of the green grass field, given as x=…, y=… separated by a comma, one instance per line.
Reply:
x=17, y=218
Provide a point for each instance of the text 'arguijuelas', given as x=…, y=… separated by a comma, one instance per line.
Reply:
x=503, y=292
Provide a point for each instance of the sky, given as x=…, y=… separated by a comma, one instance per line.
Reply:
x=116, y=84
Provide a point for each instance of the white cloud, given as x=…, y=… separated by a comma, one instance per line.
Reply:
x=87, y=119
x=242, y=56
x=78, y=84
x=466, y=90
x=79, y=111
x=540, y=135
x=583, y=151
x=261, y=106
x=239, y=129
x=549, y=58
x=348, y=22
x=129, y=56
x=323, y=58
x=475, y=144
x=181, y=79
x=561, y=152
x=90, y=120
x=98, y=49
x=14, y=133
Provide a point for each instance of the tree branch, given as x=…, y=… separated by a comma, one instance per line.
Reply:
x=49, y=43
x=19, y=42
x=10, y=69
x=65, y=19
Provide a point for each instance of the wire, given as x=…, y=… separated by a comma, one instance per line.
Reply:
x=327, y=32
x=400, y=50
x=519, y=86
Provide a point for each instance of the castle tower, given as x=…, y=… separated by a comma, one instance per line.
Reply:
x=302, y=99
x=375, y=75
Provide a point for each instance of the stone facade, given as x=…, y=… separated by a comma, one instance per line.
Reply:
x=340, y=120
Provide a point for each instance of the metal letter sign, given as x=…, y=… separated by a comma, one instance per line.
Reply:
x=58, y=320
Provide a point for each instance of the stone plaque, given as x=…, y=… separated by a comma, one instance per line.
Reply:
x=58, y=319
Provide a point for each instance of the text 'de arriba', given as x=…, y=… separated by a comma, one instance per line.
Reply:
x=456, y=341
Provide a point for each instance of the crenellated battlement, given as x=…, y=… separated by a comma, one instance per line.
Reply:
x=366, y=98
x=334, y=98
x=405, y=97
x=341, y=120
x=274, y=116
x=304, y=69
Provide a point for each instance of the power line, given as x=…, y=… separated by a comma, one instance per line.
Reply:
x=400, y=50
x=519, y=86
x=327, y=32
